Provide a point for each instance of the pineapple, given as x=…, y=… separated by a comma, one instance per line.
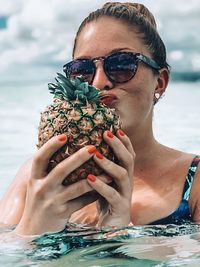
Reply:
x=78, y=112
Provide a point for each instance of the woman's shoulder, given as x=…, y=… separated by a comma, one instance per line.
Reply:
x=179, y=158
x=188, y=162
x=192, y=182
x=177, y=165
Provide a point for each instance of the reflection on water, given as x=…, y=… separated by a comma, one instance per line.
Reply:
x=79, y=245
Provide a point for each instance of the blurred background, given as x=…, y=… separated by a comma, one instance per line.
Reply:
x=36, y=38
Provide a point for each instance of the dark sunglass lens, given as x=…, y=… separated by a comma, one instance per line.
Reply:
x=82, y=67
x=121, y=67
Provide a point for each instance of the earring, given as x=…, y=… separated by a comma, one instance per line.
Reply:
x=157, y=96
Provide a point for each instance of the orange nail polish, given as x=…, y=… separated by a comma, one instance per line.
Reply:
x=109, y=134
x=91, y=149
x=62, y=137
x=120, y=132
x=91, y=178
x=99, y=155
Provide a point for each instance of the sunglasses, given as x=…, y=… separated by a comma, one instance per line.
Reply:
x=119, y=67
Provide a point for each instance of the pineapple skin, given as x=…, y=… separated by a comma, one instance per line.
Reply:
x=84, y=125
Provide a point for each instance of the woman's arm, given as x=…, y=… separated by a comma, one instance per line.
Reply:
x=12, y=203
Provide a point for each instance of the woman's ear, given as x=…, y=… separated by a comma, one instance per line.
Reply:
x=162, y=81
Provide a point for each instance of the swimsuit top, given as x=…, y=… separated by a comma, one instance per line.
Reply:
x=182, y=213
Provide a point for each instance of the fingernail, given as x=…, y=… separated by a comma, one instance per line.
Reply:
x=120, y=132
x=99, y=155
x=109, y=134
x=62, y=137
x=91, y=178
x=91, y=149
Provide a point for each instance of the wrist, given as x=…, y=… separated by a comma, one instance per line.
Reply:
x=30, y=228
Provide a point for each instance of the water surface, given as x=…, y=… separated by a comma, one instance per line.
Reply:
x=77, y=245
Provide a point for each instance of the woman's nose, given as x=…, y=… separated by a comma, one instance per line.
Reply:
x=101, y=81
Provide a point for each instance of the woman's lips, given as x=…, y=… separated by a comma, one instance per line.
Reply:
x=108, y=99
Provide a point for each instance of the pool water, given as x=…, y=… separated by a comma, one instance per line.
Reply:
x=168, y=245
x=176, y=123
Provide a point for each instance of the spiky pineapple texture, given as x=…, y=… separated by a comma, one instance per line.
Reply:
x=78, y=112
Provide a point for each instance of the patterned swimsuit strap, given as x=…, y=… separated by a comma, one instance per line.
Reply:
x=190, y=177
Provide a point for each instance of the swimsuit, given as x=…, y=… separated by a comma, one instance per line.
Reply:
x=182, y=213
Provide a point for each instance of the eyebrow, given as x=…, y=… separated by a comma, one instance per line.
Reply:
x=118, y=49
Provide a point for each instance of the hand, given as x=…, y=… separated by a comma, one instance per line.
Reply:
x=49, y=204
x=115, y=203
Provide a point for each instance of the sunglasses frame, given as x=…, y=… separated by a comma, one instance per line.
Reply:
x=137, y=56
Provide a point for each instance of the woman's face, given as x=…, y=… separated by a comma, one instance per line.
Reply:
x=134, y=101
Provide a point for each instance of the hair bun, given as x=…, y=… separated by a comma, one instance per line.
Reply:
x=128, y=7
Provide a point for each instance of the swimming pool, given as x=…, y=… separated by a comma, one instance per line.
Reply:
x=177, y=114
x=141, y=246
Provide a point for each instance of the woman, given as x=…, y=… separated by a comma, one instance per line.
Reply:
x=125, y=56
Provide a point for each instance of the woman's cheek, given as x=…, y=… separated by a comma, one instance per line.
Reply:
x=128, y=114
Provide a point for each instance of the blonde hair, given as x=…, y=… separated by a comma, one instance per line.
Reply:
x=135, y=15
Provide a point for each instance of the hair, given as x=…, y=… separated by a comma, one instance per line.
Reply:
x=135, y=15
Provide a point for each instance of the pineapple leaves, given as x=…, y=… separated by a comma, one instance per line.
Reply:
x=65, y=88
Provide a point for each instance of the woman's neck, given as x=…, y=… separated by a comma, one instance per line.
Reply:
x=145, y=146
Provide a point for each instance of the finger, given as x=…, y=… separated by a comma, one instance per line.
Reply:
x=124, y=156
x=106, y=191
x=126, y=141
x=64, y=168
x=105, y=178
x=118, y=173
x=81, y=202
x=75, y=190
x=43, y=155
x=80, y=188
